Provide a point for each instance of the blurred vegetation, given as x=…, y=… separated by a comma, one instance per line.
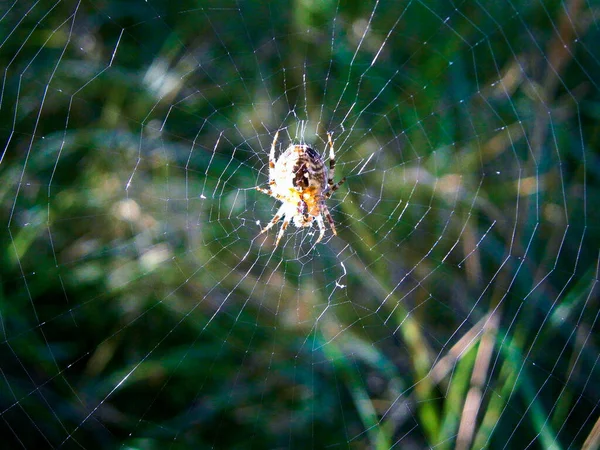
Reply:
x=458, y=306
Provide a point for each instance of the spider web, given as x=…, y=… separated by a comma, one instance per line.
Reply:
x=456, y=308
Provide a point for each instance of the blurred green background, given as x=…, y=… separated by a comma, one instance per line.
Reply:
x=456, y=308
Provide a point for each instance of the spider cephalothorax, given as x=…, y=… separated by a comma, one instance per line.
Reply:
x=299, y=179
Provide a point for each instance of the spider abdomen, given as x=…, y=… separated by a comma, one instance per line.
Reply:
x=309, y=170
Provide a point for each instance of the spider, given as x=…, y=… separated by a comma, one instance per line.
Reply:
x=301, y=182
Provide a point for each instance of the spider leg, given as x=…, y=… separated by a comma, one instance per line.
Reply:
x=270, y=193
x=284, y=225
x=331, y=161
x=272, y=160
x=278, y=215
x=319, y=220
x=264, y=191
x=334, y=187
x=325, y=211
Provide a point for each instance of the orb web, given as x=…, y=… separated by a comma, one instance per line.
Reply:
x=457, y=305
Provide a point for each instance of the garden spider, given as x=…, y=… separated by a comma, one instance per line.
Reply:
x=301, y=182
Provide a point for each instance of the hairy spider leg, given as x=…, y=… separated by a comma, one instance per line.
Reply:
x=271, y=170
x=327, y=215
x=331, y=161
x=332, y=187
x=319, y=220
x=284, y=225
x=272, y=160
x=278, y=215
x=268, y=192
